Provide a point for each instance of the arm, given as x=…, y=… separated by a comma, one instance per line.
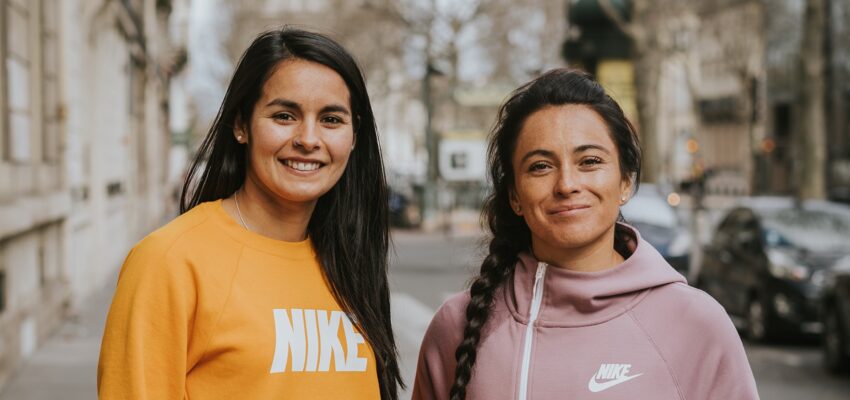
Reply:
x=436, y=368
x=145, y=343
x=732, y=375
x=700, y=346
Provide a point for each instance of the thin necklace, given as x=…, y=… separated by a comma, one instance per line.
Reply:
x=239, y=213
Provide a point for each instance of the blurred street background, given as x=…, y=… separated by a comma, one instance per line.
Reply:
x=743, y=107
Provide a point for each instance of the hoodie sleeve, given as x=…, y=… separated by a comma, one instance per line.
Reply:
x=436, y=367
x=702, y=348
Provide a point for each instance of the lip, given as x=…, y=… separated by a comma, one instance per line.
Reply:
x=568, y=209
x=285, y=163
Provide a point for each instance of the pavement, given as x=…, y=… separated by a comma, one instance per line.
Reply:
x=65, y=367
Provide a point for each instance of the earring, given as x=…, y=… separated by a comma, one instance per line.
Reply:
x=623, y=200
x=239, y=138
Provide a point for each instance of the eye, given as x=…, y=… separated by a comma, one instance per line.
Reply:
x=538, y=167
x=283, y=117
x=591, y=161
x=332, y=120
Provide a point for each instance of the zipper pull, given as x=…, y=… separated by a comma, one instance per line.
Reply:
x=541, y=268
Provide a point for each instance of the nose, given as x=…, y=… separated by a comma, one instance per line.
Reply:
x=569, y=182
x=307, y=136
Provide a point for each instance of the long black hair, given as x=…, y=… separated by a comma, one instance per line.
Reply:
x=349, y=226
x=510, y=234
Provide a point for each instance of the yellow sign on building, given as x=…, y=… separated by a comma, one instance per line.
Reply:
x=618, y=79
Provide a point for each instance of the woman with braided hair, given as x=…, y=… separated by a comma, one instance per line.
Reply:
x=571, y=302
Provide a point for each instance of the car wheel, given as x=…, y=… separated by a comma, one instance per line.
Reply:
x=756, y=321
x=834, y=342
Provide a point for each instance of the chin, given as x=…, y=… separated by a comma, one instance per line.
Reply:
x=577, y=235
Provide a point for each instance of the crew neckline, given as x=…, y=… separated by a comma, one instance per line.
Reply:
x=293, y=250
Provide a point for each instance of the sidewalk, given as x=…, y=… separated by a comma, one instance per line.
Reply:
x=65, y=367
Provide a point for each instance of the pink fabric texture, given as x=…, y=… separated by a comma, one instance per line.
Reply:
x=635, y=331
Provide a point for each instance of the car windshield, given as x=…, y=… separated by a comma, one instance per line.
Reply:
x=813, y=230
x=651, y=210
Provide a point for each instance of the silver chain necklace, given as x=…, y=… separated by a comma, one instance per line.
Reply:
x=239, y=213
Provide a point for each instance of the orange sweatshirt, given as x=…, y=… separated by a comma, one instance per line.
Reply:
x=205, y=309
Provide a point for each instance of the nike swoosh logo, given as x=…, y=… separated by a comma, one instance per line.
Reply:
x=595, y=387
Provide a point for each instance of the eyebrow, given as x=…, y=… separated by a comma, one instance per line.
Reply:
x=538, y=152
x=551, y=154
x=291, y=104
x=586, y=147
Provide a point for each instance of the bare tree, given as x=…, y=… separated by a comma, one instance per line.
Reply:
x=811, y=135
x=647, y=56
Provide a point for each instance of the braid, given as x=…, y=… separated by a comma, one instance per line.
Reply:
x=495, y=269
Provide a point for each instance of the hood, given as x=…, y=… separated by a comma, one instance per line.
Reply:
x=573, y=298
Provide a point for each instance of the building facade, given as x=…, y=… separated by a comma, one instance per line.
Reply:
x=83, y=150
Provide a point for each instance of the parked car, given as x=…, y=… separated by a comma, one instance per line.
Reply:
x=767, y=260
x=835, y=315
x=660, y=225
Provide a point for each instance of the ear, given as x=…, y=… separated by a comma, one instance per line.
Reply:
x=514, y=200
x=239, y=131
x=626, y=189
x=354, y=130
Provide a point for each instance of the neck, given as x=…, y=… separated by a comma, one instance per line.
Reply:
x=269, y=215
x=597, y=255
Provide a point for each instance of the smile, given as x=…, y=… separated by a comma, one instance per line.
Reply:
x=302, y=165
x=569, y=210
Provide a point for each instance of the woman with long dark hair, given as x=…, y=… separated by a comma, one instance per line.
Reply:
x=273, y=281
x=570, y=302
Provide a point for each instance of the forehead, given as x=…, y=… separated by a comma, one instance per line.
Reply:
x=305, y=82
x=564, y=127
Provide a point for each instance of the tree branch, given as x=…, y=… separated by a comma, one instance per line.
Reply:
x=616, y=18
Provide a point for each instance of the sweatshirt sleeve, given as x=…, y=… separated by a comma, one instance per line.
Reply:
x=702, y=348
x=145, y=343
x=436, y=367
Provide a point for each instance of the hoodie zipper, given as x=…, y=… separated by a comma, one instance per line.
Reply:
x=536, y=299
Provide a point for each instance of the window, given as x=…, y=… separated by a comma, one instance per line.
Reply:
x=17, y=59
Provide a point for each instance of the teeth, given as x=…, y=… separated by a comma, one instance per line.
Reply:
x=302, y=166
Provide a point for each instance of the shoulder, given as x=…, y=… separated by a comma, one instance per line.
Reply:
x=687, y=306
x=450, y=318
x=685, y=322
x=164, y=237
x=178, y=243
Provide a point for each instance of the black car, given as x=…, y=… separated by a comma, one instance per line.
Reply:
x=836, y=317
x=767, y=262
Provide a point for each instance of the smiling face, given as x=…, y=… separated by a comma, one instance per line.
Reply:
x=568, y=185
x=300, y=135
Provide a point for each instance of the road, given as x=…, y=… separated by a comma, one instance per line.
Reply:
x=425, y=269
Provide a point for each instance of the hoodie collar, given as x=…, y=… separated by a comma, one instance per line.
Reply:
x=573, y=298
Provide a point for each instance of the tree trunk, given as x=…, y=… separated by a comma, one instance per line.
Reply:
x=647, y=65
x=811, y=165
x=647, y=71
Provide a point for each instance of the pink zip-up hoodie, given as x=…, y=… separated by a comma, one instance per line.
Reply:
x=635, y=331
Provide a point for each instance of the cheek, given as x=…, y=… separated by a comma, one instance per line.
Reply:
x=340, y=148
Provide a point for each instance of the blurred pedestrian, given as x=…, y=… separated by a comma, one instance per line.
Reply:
x=272, y=283
x=570, y=301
